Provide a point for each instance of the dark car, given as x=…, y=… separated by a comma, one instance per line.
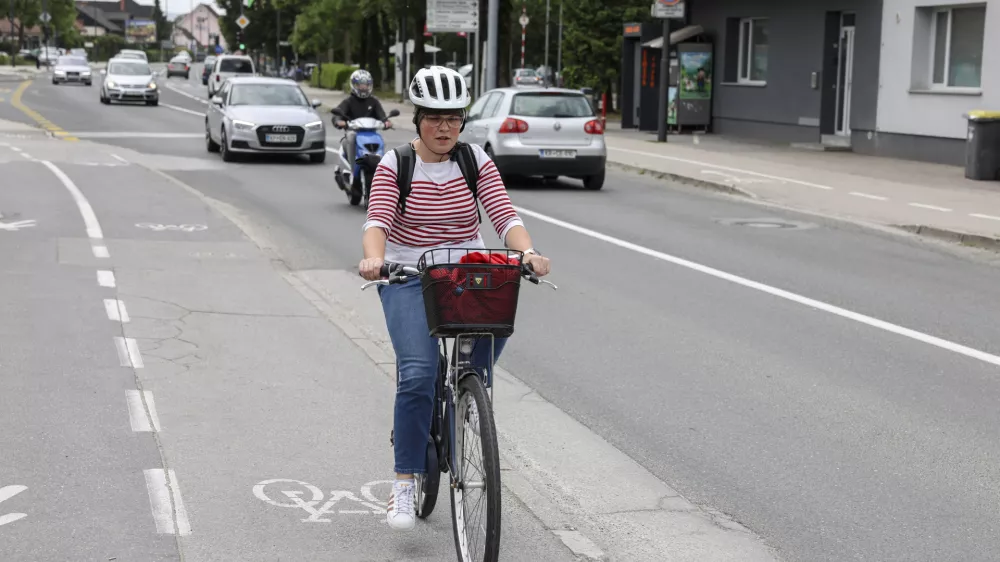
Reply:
x=206, y=69
x=180, y=66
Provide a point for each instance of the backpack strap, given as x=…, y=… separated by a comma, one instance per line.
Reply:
x=465, y=155
x=406, y=161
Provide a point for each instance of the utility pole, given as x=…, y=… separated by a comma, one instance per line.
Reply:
x=523, y=20
x=404, y=64
x=559, y=48
x=548, y=70
x=277, y=41
x=13, y=44
x=492, y=47
x=661, y=132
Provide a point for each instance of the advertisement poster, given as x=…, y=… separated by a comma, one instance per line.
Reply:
x=672, y=106
x=696, y=76
x=140, y=31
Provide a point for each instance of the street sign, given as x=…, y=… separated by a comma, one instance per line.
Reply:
x=523, y=20
x=45, y=17
x=449, y=16
x=89, y=45
x=242, y=21
x=668, y=9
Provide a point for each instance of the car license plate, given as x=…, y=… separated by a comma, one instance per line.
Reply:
x=279, y=138
x=557, y=153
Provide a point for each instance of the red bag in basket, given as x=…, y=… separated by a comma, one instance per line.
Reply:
x=459, y=304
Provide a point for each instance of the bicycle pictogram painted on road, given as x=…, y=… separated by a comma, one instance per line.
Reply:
x=291, y=493
x=7, y=492
x=177, y=227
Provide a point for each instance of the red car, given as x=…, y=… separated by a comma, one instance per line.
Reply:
x=179, y=66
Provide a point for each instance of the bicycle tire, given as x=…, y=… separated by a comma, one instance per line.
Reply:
x=471, y=388
x=431, y=483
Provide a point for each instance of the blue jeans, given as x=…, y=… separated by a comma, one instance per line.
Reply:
x=416, y=364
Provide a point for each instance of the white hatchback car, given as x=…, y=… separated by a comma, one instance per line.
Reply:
x=547, y=132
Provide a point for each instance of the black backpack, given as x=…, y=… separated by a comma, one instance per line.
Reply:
x=406, y=161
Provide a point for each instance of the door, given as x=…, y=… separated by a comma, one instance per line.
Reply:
x=845, y=75
x=215, y=113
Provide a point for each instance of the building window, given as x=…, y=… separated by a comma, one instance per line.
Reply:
x=957, y=47
x=753, y=51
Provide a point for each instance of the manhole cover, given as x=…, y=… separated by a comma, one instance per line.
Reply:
x=767, y=223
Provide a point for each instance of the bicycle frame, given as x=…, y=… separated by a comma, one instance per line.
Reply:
x=452, y=368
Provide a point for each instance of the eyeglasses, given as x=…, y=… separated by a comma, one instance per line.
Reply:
x=454, y=121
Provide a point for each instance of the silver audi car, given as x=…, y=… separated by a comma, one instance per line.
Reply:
x=71, y=69
x=256, y=114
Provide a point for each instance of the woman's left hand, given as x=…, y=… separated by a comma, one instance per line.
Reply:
x=540, y=264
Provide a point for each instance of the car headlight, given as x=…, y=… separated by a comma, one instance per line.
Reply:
x=111, y=84
x=243, y=125
x=151, y=85
x=314, y=126
x=85, y=73
x=60, y=72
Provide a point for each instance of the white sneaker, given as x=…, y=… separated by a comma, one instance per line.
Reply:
x=401, y=514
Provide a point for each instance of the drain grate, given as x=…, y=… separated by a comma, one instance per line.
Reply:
x=768, y=223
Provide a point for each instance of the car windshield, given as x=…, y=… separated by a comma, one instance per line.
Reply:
x=267, y=94
x=236, y=65
x=178, y=60
x=71, y=61
x=525, y=72
x=551, y=105
x=129, y=56
x=129, y=69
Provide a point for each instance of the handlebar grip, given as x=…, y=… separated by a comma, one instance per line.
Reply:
x=384, y=272
x=529, y=273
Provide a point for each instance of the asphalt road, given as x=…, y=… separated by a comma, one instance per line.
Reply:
x=832, y=388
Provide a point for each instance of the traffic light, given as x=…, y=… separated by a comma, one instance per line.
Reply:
x=239, y=40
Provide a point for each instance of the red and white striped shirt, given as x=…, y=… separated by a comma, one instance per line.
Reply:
x=440, y=210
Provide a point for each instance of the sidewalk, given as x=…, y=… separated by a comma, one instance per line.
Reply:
x=928, y=199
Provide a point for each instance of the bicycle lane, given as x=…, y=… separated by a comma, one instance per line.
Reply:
x=71, y=453
x=273, y=422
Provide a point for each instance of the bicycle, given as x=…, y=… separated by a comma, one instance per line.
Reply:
x=462, y=407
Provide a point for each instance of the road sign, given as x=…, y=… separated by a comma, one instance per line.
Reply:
x=668, y=9
x=45, y=17
x=449, y=16
x=523, y=20
x=242, y=21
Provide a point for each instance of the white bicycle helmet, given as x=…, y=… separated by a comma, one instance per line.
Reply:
x=439, y=87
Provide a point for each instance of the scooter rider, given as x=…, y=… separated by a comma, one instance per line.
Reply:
x=361, y=103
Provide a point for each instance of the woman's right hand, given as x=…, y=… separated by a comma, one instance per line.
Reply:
x=370, y=268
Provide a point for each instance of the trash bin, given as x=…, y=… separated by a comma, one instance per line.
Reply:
x=982, y=149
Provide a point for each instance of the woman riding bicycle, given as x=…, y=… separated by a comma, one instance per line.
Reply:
x=440, y=212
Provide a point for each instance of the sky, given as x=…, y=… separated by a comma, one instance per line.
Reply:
x=175, y=8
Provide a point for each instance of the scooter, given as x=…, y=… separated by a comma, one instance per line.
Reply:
x=355, y=178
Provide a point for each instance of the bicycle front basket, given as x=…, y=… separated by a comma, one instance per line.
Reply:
x=462, y=298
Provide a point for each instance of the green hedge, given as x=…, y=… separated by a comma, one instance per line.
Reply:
x=332, y=76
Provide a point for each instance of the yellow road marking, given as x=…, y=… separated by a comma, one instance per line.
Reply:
x=56, y=130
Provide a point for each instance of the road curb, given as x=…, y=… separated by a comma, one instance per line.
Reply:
x=687, y=180
x=954, y=236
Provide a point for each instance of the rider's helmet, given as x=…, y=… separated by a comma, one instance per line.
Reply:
x=361, y=83
x=439, y=87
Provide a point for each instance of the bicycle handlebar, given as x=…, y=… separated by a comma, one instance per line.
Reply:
x=393, y=273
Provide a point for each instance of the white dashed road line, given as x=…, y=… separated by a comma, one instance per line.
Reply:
x=869, y=196
x=119, y=158
x=183, y=109
x=165, y=500
x=116, y=310
x=187, y=95
x=142, y=411
x=780, y=293
x=128, y=352
x=101, y=252
x=989, y=217
x=106, y=278
x=931, y=207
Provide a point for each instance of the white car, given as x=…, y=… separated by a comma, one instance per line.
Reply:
x=226, y=67
x=129, y=79
x=132, y=54
x=71, y=69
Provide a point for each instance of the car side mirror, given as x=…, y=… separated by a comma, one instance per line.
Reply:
x=394, y=113
x=316, y=103
x=217, y=100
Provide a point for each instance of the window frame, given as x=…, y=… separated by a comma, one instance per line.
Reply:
x=946, y=71
x=745, y=55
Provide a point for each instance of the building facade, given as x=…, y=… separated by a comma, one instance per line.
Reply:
x=939, y=60
x=200, y=25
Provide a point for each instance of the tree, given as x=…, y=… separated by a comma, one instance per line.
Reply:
x=164, y=28
x=592, y=40
x=26, y=12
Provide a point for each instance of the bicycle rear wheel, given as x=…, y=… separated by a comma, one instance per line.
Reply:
x=475, y=498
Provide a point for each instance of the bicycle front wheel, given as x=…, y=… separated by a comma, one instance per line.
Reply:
x=475, y=495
